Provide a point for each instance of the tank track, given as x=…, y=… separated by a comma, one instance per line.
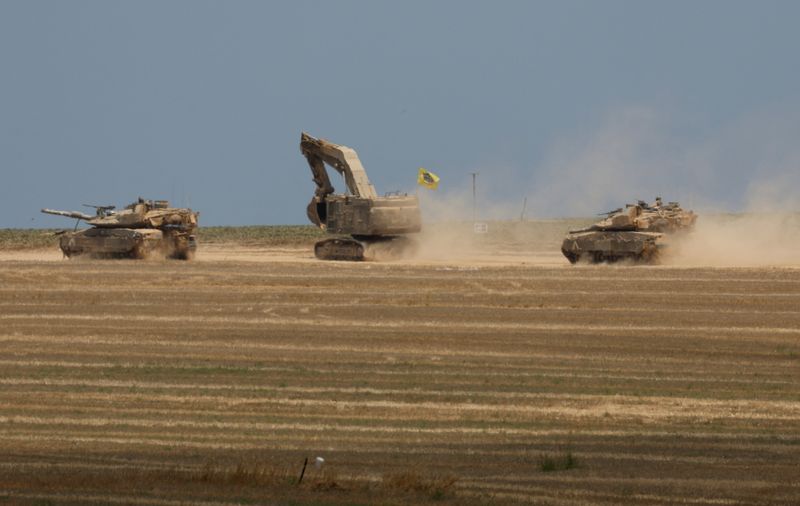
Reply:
x=339, y=248
x=648, y=255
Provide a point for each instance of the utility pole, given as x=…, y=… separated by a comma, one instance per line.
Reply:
x=474, y=205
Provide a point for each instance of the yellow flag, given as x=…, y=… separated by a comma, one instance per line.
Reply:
x=427, y=179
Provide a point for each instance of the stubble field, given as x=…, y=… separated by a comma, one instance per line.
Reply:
x=489, y=380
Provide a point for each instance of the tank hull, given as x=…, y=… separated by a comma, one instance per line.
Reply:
x=126, y=243
x=611, y=246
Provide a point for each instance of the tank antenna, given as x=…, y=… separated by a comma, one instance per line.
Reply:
x=474, y=200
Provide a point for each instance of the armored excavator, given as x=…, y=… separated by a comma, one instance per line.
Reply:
x=636, y=232
x=361, y=220
x=137, y=231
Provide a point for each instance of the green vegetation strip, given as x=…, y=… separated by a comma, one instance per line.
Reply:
x=272, y=235
x=27, y=238
x=12, y=239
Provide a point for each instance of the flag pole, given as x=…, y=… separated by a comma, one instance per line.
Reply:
x=474, y=205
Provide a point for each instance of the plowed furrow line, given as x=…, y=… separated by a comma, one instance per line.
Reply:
x=443, y=377
x=63, y=497
x=380, y=350
x=650, y=413
x=401, y=324
x=404, y=444
x=789, y=408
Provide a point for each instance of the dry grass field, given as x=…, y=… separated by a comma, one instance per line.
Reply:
x=499, y=379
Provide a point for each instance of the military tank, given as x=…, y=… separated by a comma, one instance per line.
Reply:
x=139, y=230
x=636, y=232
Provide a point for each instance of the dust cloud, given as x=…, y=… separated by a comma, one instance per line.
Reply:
x=740, y=240
x=447, y=232
x=639, y=152
x=767, y=234
x=632, y=153
x=742, y=179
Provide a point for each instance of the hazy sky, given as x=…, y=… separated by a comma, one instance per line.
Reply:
x=577, y=106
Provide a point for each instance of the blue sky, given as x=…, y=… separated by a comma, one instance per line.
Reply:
x=575, y=105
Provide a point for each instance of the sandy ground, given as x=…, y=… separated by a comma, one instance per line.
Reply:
x=666, y=384
x=223, y=253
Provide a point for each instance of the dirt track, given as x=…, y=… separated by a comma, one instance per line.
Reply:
x=665, y=384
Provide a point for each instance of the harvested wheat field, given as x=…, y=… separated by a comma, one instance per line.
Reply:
x=495, y=380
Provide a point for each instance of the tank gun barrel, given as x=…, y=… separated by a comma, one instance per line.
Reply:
x=68, y=214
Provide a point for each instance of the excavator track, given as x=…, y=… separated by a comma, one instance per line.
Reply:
x=339, y=248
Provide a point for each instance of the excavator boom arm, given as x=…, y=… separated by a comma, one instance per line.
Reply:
x=344, y=160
